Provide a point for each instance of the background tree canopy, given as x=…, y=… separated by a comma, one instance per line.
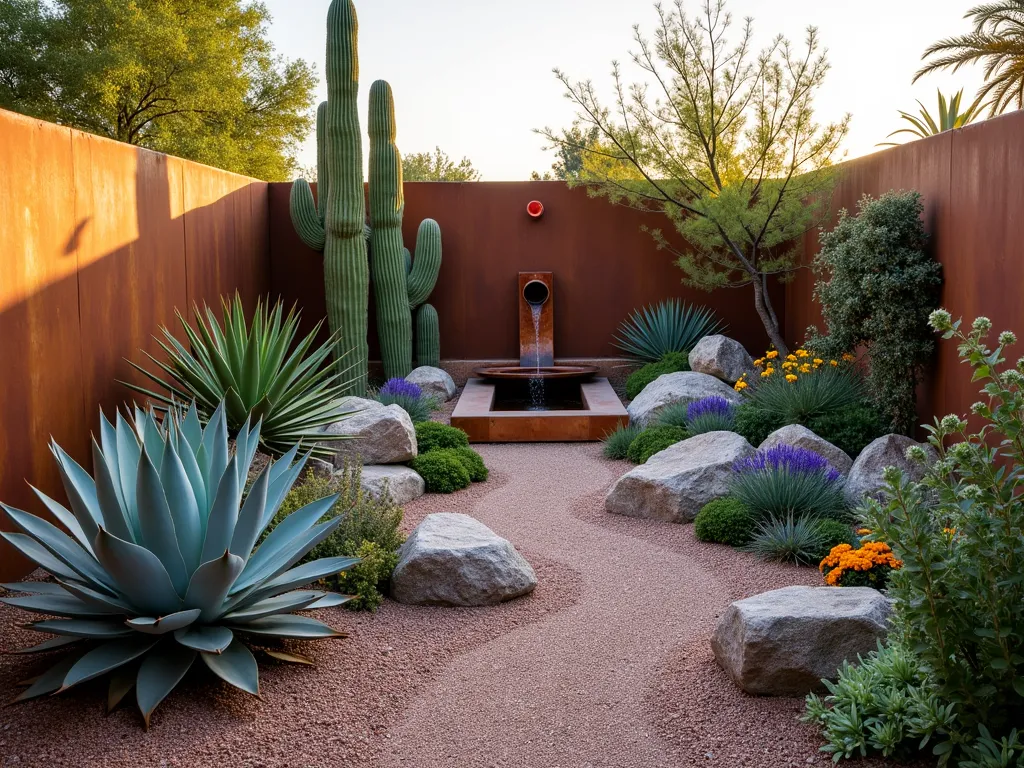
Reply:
x=193, y=78
x=424, y=166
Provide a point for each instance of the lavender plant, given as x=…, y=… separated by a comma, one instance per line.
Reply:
x=407, y=396
x=786, y=480
x=709, y=414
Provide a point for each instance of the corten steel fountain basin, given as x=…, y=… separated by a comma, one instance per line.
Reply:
x=537, y=401
x=519, y=372
x=488, y=417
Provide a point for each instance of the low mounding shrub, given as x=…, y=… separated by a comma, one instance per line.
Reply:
x=755, y=424
x=432, y=434
x=786, y=480
x=640, y=378
x=407, y=396
x=616, y=443
x=651, y=333
x=652, y=440
x=849, y=429
x=724, y=521
x=788, y=539
x=442, y=470
x=368, y=524
x=959, y=598
x=472, y=461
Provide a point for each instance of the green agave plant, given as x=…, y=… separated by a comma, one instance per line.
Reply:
x=949, y=118
x=669, y=326
x=257, y=371
x=159, y=569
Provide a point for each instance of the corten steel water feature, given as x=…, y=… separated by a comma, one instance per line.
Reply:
x=537, y=400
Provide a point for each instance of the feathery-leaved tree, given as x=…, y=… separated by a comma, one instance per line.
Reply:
x=726, y=147
x=997, y=42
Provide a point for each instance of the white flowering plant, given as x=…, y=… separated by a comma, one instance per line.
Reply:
x=959, y=598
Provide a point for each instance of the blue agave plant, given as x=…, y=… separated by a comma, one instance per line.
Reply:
x=158, y=570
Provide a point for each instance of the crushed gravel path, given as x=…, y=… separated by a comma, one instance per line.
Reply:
x=605, y=664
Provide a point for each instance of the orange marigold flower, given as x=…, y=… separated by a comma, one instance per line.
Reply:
x=833, y=362
x=772, y=354
x=791, y=378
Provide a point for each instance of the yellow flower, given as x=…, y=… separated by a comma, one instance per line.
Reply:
x=790, y=378
x=863, y=531
x=848, y=357
x=766, y=374
x=802, y=353
x=833, y=362
x=805, y=368
x=787, y=365
x=791, y=358
x=772, y=354
x=818, y=361
x=740, y=385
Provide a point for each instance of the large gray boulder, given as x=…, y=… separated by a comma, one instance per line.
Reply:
x=381, y=434
x=677, y=482
x=801, y=437
x=679, y=387
x=721, y=357
x=434, y=382
x=401, y=483
x=784, y=642
x=453, y=559
x=865, y=476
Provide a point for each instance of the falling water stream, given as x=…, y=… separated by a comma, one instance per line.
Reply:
x=536, y=382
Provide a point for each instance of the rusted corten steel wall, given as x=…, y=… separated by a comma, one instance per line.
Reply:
x=99, y=243
x=973, y=192
x=604, y=267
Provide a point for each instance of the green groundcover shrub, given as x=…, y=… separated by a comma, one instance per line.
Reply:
x=640, y=378
x=952, y=677
x=369, y=530
x=432, y=434
x=724, y=521
x=442, y=470
x=850, y=428
x=652, y=440
x=472, y=461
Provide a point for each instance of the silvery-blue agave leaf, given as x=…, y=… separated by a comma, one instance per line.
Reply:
x=154, y=569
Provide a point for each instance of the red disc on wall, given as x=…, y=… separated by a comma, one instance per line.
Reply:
x=535, y=208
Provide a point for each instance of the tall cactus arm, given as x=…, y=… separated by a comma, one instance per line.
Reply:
x=305, y=218
x=346, y=270
x=427, y=264
x=394, y=319
x=428, y=337
x=323, y=174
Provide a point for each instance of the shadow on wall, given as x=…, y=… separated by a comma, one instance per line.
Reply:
x=101, y=242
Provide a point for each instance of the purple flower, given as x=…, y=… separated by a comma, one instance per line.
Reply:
x=709, y=406
x=789, y=459
x=401, y=387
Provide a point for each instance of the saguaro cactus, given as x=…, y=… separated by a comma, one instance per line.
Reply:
x=401, y=283
x=337, y=223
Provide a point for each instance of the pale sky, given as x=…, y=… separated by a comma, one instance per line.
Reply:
x=474, y=76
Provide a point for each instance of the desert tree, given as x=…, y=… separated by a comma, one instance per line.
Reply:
x=722, y=140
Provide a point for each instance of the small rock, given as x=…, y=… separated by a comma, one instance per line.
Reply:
x=671, y=388
x=677, y=482
x=865, y=476
x=403, y=484
x=800, y=436
x=381, y=434
x=454, y=559
x=434, y=382
x=783, y=642
x=721, y=357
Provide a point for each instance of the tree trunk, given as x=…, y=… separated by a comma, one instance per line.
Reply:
x=763, y=305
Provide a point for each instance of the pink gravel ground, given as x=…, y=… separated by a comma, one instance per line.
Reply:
x=606, y=664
